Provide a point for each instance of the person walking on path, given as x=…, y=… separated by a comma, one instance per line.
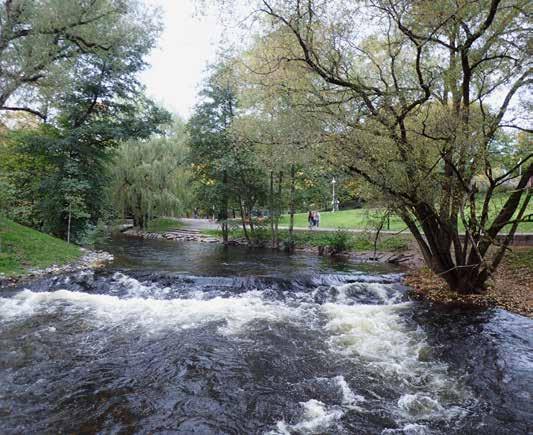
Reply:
x=317, y=219
x=310, y=219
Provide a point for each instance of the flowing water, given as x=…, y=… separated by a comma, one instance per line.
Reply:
x=198, y=339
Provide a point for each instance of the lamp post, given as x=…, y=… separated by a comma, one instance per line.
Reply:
x=334, y=201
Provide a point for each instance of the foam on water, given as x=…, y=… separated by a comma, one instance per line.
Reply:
x=151, y=314
x=316, y=417
x=370, y=292
x=349, y=398
x=408, y=429
x=375, y=333
x=377, y=337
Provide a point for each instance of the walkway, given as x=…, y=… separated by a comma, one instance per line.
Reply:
x=206, y=224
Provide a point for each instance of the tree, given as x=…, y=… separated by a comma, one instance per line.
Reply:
x=150, y=177
x=415, y=103
x=78, y=64
x=273, y=123
x=44, y=44
x=224, y=166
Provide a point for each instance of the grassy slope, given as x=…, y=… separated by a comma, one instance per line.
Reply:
x=23, y=248
x=363, y=218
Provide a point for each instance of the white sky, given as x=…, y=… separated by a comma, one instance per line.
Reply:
x=188, y=43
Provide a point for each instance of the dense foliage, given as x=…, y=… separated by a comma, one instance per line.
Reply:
x=85, y=100
x=150, y=177
x=226, y=169
x=419, y=106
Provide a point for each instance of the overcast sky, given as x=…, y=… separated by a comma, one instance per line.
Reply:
x=188, y=43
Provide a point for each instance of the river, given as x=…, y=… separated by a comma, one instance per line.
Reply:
x=185, y=338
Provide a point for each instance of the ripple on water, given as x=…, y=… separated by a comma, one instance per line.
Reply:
x=330, y=353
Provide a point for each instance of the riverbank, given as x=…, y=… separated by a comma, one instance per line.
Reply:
x=23, y=249
x=27, y=254
x=511, y=289
x=89, y=260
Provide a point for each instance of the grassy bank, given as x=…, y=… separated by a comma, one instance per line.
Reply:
x=340, y=239
x=22, y=248
x=162, y=225
x=366, y=218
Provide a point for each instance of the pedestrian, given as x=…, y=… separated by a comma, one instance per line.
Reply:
x=310, y=219
x=317, y=219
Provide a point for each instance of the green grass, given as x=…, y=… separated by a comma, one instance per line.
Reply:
x=162, y=225
x=354, y=242
x=361, y=218
x=366, y=218
x=23, y=248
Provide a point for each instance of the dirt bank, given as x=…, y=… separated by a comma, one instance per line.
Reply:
x=511, y=288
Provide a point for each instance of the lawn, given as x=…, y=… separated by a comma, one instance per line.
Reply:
x=22, y=248
x=352, y=242
x=366, y=218
x=361, y=218
x=162, y=225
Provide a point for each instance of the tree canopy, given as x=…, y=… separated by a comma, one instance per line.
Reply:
x=46, y=47
x=413, y=97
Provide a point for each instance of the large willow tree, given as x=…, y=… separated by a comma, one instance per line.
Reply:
x=150, y=177
x=416, y=95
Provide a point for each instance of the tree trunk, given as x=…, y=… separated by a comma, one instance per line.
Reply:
x=291, y=209
x=69, y=221
x=466, y=274
x=224, y=208
x=272, y=210
x=243, y=220
x=278, y=210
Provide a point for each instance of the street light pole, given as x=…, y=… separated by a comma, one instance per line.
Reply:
x=334, y=201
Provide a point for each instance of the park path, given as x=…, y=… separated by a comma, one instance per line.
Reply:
x=207, y=224
x=199, y=224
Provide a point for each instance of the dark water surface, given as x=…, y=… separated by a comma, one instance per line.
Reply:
x=197, y=339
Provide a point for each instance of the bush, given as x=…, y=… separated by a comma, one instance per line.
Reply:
x=339, y=241
x=93, y=234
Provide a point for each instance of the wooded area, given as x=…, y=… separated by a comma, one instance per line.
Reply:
x=414, y=108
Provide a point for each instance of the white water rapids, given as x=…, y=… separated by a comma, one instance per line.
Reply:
x=361, y=322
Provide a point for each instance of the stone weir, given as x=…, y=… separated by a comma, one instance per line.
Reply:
x=181, y=235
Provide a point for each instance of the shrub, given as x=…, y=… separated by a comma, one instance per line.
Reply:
x=339, y=241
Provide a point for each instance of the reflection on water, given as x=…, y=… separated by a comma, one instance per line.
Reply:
x=218, y=260
x=195, y=338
